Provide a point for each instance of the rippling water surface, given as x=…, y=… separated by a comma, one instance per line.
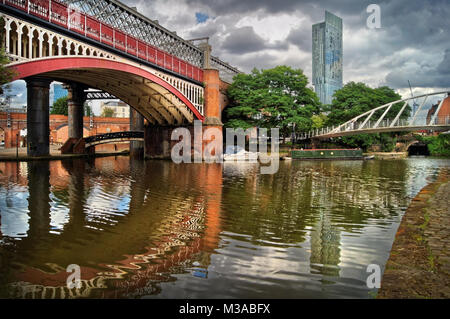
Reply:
x=155, y=229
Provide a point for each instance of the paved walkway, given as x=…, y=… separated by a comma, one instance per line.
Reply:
x=419, y=264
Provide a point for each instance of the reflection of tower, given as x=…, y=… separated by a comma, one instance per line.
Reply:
x=38, y=199
x=325, y=251
x=76, y=168
x=137, y=184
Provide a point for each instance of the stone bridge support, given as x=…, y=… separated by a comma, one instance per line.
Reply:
x=38, y=116
x=75, y=101
x=157, y=138
x=136, y=124
x=157, y=141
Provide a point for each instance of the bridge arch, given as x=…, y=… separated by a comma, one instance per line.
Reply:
x=156, y=99
x=417, y=148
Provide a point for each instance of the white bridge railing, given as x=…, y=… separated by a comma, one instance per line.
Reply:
x=368, y=123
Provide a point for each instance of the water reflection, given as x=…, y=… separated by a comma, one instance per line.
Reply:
x=157, y=229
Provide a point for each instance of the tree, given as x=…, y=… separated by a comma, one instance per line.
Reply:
x=107, y=112
x=87, y=110
x=277, y=97
x=318, y=121
x=357, y=98
x=60, y=106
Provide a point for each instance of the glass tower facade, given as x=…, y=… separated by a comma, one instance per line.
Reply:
x=59, y=91
x=327, y=57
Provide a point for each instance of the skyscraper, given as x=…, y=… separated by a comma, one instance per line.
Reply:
x=327, y=57
x=59, y=91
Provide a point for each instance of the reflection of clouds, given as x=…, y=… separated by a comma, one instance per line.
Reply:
x=14, y=211
x=102, y=205
x=249, y=263
x=420, y=172
x=239, y=168
x=59, y=214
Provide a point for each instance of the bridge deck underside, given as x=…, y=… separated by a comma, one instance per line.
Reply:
x=155, y=103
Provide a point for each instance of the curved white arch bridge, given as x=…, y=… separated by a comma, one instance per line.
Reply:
x=379, y=119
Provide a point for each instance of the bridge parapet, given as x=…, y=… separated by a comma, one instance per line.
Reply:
x=112, y=24
x=41, y=43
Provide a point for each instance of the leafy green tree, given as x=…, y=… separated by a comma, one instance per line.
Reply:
x=107, y=112
x=277, y=97
x=60, y=106
x=318, y=120
x=437, y=145
x=87, y=110
x=357, y=98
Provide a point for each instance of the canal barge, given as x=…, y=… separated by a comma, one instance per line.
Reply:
x=353, y=154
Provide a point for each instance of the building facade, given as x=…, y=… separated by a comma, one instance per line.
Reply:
x=327, y=57
x=58, y=92
x=120, y=108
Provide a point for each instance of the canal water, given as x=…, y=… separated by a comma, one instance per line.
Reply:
x=155, y=229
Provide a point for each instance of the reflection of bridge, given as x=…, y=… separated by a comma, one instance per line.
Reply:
x=116, y=137
x=144, y=253
x=107, y=46
x=378, y=120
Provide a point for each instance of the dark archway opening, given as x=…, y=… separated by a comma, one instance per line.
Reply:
x=418, y=149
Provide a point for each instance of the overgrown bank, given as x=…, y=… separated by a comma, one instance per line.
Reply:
x=419, y=263
x=437, y=145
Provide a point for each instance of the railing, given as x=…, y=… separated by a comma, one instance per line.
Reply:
x=383, y=126
x=368, y=123
x=97, y=139
x=71, y=19
x=99, y=95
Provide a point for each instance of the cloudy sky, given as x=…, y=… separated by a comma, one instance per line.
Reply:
x=412, y=43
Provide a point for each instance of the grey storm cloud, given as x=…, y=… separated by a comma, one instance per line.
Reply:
x=444, y=66
x=301, y=37
x=422, y=75
x=419, y=25
x=412, y=44
x=245, y=40
x=309, y=7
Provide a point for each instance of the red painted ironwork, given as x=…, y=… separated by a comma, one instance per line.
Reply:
x=69, y=18
x=151, y=54
x=142, y=50
x=92, y=28
x=107, y=34
x=36, y=67
x=39, y=8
